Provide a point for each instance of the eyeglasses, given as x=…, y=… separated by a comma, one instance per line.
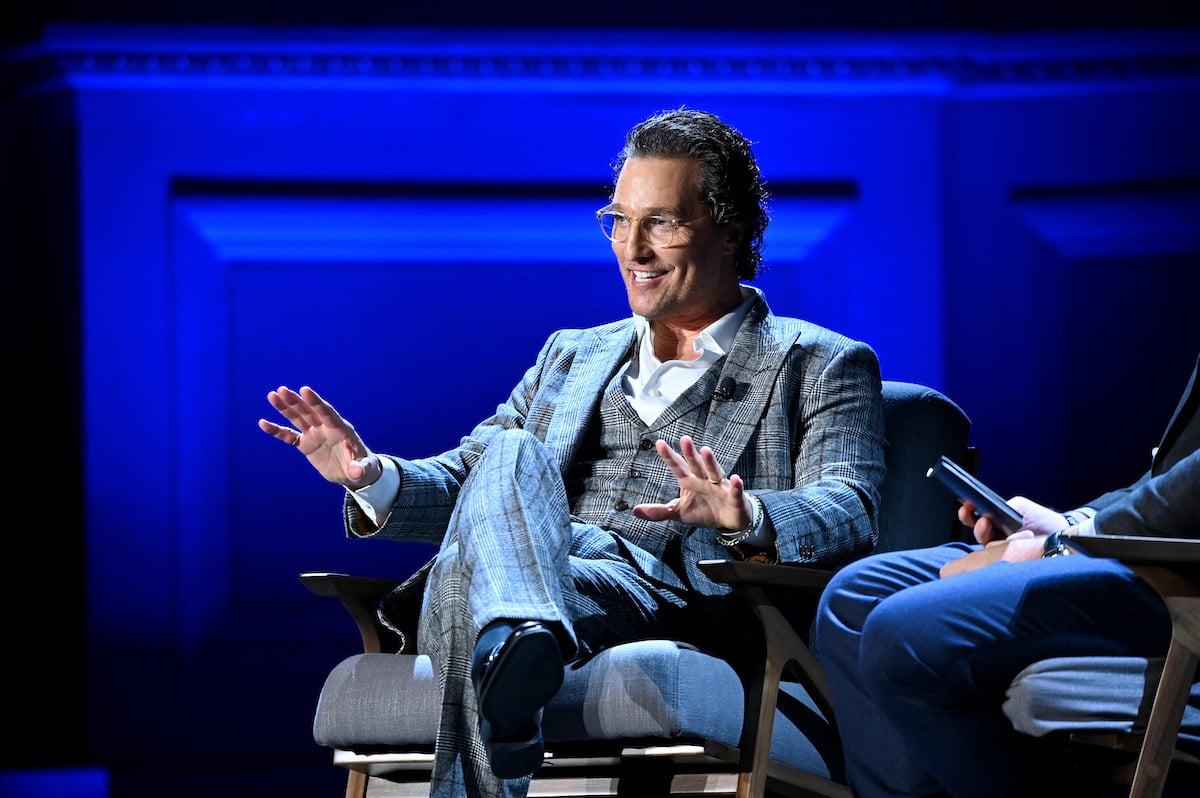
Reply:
x=659, y=230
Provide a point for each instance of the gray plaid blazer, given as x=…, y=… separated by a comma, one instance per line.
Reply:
x=804, y=429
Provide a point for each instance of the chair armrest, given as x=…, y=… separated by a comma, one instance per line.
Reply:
x=359, y=595
x=745, y=574
x=1137, y=549
x=758, y=584
x=1170, y=565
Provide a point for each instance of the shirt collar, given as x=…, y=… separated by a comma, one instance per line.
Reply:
x=716, y=337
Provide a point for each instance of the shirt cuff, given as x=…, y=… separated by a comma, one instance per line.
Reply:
x=376, y=500
x=763, y=534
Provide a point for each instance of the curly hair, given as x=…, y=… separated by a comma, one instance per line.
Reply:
x=731, y=185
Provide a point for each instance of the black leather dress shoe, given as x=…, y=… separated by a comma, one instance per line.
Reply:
x=513, y=681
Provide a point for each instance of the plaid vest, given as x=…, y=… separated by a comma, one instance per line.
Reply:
x=617, y=466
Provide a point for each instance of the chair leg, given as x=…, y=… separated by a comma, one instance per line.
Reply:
x=1170, y=699
x=752, y=780
x=783, y=645
x=356, y=785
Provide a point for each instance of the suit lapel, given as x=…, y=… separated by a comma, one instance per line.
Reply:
x=753, y=363
x=595, y=363
x=1183, y=424
x=759, y=348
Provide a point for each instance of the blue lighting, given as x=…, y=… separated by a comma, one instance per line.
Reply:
x=65, y=783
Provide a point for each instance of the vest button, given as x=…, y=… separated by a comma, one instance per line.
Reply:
x=622, y=505
x=645, y=444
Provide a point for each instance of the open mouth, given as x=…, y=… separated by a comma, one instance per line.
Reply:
x=643, y=277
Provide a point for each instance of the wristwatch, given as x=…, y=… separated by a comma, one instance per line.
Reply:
x=1055, y=545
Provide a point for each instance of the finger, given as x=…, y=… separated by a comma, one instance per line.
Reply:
x=983, y=530
x=290, y=405
x=270, y=427
x=687, y=448
x=692, y=459
x=656, y=512
x=278, y=401
x=712, y=469
x=354, y=456
x=311, y=410
x=673, y=460
x=322, y=412
x=285, y=434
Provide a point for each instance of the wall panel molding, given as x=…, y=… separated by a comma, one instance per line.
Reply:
x=825, y=60
x=1114, y=221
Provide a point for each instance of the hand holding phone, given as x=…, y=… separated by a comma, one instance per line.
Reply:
x=966, y=488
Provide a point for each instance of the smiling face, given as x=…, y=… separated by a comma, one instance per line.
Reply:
x=691, y=283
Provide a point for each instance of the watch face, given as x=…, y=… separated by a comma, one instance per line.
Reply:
x=1054, y=545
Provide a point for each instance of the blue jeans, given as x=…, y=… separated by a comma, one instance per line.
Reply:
x=919, y=665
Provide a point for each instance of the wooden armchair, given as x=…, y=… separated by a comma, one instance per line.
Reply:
x=655, y=717
x=1140, y=715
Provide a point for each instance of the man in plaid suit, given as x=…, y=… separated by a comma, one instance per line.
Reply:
x=573, y=519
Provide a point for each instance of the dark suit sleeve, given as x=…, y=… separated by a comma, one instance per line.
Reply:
x=1166, y=505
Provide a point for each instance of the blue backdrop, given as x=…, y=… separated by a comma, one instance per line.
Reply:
x=399, y=218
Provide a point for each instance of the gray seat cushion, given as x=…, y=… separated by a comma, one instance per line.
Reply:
x=378, y=700
x=1099, y=694
x=647, y=690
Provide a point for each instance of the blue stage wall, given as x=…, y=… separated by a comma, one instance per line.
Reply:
x=399, y=218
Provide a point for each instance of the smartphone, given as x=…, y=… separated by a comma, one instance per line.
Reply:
x=966, y=487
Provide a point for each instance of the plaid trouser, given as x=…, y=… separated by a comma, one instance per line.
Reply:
x=512, y=551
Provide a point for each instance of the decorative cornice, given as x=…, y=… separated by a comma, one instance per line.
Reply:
x=483, y=65
x=518, y=55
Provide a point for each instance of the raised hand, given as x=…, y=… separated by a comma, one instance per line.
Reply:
x=707, y=497
x=328, y=441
